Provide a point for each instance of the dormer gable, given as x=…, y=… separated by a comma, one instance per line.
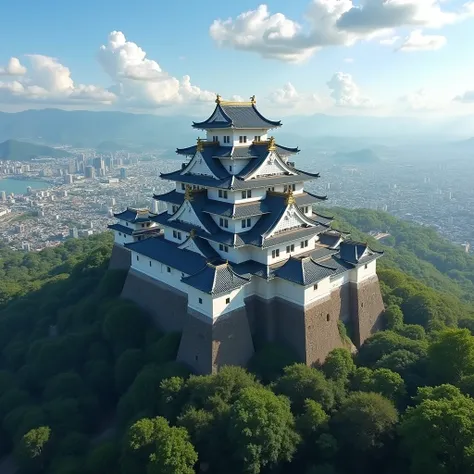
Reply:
x=188, y=215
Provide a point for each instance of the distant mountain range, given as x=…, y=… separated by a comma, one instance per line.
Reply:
x=365, y=156
x=118, y=130
x=15, y=150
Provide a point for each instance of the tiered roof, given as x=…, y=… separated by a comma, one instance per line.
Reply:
x=242, y=115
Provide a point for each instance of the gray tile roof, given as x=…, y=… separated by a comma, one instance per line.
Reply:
x=322, y=253
x=204, y=247
x=330, y=238
x=304, y=271
x=216, y=279
x=172, y=197
x=235, y=183
x=244, y=115
x=134, y=215
x=352, y=251
x=121, y=228
x=239, y=152
x=236, y=211
x=168, y=253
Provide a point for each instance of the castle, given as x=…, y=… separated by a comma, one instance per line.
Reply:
x=240, y=257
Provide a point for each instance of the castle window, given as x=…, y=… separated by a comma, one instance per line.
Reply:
x=290, y=248
x=223, y=222
x=257, y=138
x=200, y=300
x=220, y=193
x=243, y=139
x=247, y=194
x=174, y=209
x=315, y=287
x=230, y=168
x=138, y=258
x=150, y=263
x=328, y=317
x=143, y=225
x=246, y=223
x=223, y=248
x=272, y=188
x=227, y=139
x=365, y=266
x=120, y=233
x=175, y=234
x=227, y=300
x=215, y=138
x=126, y=223
x=182, y=275
x=183, y=187
x=225, y=194
x=179, y=235
x=304, y=244
x=168, y=269
x=275, y=253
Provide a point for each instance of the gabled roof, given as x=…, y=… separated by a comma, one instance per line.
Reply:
x=134, y=215
x=304, y=271
x=172, y=197
x=331, y=238
x=236, y=115
x=216, y=279
x=130, y=231
x=202, y=245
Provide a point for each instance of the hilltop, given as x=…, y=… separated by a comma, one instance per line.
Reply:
x=89, y=385
x=15, y=150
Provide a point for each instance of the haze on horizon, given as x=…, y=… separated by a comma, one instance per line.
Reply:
x=341, y=57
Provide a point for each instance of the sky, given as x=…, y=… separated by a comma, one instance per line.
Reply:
x=371, y=57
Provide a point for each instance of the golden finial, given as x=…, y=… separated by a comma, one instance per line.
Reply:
x=253, y=100
x=200, y=145
x=290, y=199
x=188, y=195
x=218, y=99
x=192, y=234
x=271, y=144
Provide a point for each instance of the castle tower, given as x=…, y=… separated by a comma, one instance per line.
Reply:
x=243, y=258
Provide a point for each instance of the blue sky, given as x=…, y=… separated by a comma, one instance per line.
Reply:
x=304, y=56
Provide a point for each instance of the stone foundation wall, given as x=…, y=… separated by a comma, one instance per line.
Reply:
x=367, y=309
x=120, y=259
x=166, y=305
x=311, y=332
x=206, y=346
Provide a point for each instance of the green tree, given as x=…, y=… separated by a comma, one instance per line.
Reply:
x=438, y=433
x=32, y=452
x=268, y=363
x=451, y=356
x=364, y=423
x=382, y=381
x=339, y=365
x=261, y=429
x=300, y=382
x=393, y=317
x=102, y=458
x=127, y=367
x=168, y=449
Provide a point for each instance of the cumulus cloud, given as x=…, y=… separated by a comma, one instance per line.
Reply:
x=417, y=41
x=13, y=68
x=346, y=92
x=466, y=98
x=389, y=41
x=328, y=23
x=140, y=81
x=48, y=80
x=289, y=96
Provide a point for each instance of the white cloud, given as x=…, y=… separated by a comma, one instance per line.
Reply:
x=141, y=82
x=328, y=23
x=349, y=60
x=417, y=41
x=346, y=92
x=13, y=68
x=289, y=96
x=466, y=98
x=48, y=80
x=422, y=100
x=389, y=41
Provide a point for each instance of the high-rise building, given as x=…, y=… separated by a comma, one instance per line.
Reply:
x=243, y=256
x=68, y=179
x=90, y=172
x=123, y=173
x=73, y=232
x=3, y=196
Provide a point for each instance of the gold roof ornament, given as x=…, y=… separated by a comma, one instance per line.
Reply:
x=290, y=199
x=218, y=99
x=192, y=234
x=271, y=144
x=188, y=194
x=200, y=145
x=253, y=100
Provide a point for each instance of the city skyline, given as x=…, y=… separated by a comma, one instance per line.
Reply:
x=300, y=58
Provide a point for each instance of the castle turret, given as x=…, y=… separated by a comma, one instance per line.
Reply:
x=243, y=257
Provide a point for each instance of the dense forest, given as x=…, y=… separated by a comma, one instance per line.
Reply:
x=88, y=385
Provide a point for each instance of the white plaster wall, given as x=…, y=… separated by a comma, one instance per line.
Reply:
x=267, y=253
x=238, y=224
x=205, y=307
x=217, y=306
x=323, y=290
x=250, y=133
x=231, y=222
x=299, y=188
x=289, y=291
x=233, y=255
x=257, y=195
x=237, y=165
x=178, y=187
x=213, y=194
x=168, y=231
x=158, y=271
x=120, y=238
x=187, y=214
x=169, y=208
x=361, y=273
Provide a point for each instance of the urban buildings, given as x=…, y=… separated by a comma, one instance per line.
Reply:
x=242, y=258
